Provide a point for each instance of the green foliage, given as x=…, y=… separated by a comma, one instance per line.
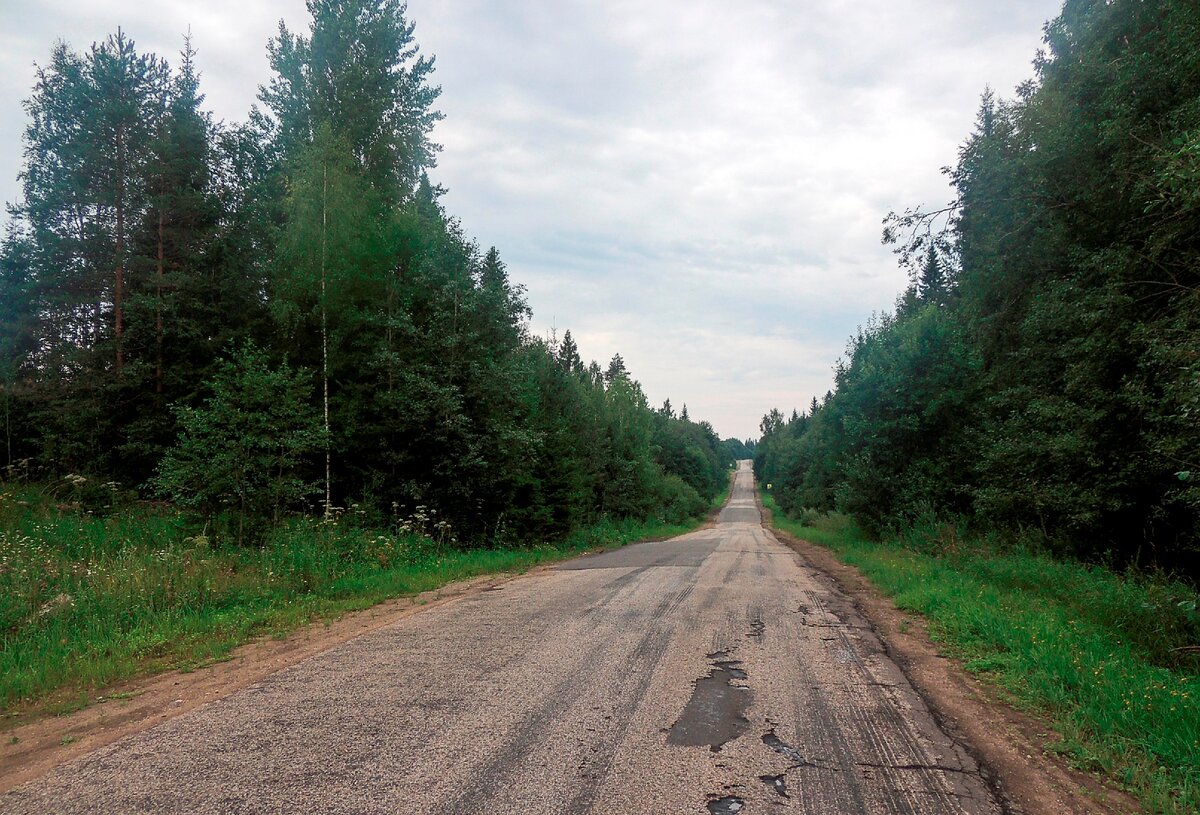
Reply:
x=131, y=277
x=242, y=450
x=359, y=73
x=676, y=500
x=1041, y=372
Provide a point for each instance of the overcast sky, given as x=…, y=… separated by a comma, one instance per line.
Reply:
x=697, y=185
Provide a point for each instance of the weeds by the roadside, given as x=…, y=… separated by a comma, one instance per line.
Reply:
x=86, y=600
x=1093, y=650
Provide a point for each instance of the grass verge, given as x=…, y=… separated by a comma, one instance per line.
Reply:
x=87, y=601
x=1091, y=650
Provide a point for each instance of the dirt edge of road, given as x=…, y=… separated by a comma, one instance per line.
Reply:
x=1008, y=743
x=31, y=749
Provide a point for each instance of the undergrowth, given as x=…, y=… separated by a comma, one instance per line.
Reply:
x=1105, y=656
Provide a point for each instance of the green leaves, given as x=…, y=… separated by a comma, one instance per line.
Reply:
x=360, y=74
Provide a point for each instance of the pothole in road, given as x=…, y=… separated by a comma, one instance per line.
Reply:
x=716, y=712
x=784, y=749
x=776, y=782
x=730, y=666
x=726, y=806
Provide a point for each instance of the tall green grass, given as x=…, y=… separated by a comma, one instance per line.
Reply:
x=1092, y=650
x=86, y=601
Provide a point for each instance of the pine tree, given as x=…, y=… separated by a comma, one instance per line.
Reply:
x=125, y=90
x=92, y=122
x=150, y=237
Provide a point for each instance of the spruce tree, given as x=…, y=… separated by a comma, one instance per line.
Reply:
x=616, y=370
x=568, y=355
x=931, y=285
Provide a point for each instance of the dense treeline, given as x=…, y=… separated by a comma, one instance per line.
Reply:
x=1042, y=374
x=260, y=318
x=738, y=450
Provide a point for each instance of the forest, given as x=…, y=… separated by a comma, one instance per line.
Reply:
x=251, y=322
x=1039, y=381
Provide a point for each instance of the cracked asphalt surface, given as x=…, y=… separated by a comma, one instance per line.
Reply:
x=715, y=672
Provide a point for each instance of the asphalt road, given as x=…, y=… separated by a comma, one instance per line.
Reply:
x=715, y=672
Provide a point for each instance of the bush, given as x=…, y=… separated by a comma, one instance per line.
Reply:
x=240, y=453
x=676, y=500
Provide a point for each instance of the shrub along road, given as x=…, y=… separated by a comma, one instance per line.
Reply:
x=715, y=672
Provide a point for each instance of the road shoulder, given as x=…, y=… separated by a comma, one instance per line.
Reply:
x=32, y=748
x=1008, y=742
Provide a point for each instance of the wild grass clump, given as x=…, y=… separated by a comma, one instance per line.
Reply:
x=86, y=600
x=1107, y=657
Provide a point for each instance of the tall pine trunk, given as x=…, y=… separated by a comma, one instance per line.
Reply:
x=8, y=428
x=158, y=308
x=389, y=317
x=325, y=343
x=119, y=283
